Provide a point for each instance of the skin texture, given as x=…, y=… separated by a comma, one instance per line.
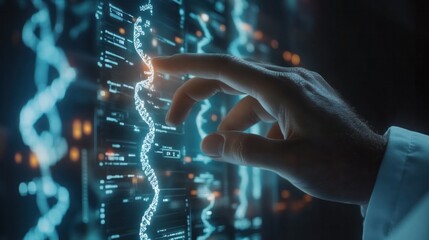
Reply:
x=317, y=142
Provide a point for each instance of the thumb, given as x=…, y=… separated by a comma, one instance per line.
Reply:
x=247, y=149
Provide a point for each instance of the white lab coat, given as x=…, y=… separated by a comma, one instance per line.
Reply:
x=399, y=204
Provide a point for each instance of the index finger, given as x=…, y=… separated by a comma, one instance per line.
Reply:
x=241, y=75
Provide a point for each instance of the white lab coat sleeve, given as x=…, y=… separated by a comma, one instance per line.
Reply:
x=402, y=182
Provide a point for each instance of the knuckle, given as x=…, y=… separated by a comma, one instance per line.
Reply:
x=306, y=85
x=225, y=59
x=316, y=75
x=301, y=70
x=239, y=150
x=309, y=75
x=223, y=62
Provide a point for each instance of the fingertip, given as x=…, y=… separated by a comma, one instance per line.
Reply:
x=168, y=119
x=224, y=126
x=157, y=62
x=221, y=126
x=213, y=145
x=159, y=58
x=176, y=116
x=169, y=123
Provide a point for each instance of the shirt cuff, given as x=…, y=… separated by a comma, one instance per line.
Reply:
x=401, y=182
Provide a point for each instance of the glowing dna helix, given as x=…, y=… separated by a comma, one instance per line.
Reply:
x=48, y=146
x=140, y=30
x=242, y=38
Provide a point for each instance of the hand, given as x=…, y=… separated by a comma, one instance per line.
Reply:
x=316, y=142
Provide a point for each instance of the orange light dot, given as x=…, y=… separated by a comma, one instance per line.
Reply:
x=77, y=129
x=214, y=117
x=296, y=59
x=134, y=180
x=222, y=27
x=287, y=56
x=216, y=194
x=34, y=162
x=122, y=31
x=199, y=33
x=308, y=198
x=246, y=27
x=178, y=40
x=87, y=128
x=168, y=173
x=274, y=44
x=280, y=206
x=285, y=194
x=100, y=157
x=258, y=35
x=194, y=192
x=190, y=175
x=18, y=158
x=188, y=159
x=297, y=206
x=74, y=154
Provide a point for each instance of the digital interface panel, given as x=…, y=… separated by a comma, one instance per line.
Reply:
x=155, y=172
x=102, y=162
x=85, y=152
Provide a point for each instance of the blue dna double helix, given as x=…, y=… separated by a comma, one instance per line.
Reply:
x=142, y=28
x=41, y=34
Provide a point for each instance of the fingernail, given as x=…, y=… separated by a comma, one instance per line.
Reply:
x=170, y=123
x=212, y=145
x=167, y=119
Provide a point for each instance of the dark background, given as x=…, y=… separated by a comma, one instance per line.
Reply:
x=373, y=52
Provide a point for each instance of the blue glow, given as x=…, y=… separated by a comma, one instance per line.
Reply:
x=48, y=146
x=241, y=222
x=205, y=192
x=84, y=10
x=243, y=41
x=142, y=28
x=256, y=179
x=207, y=38
x=205, y=105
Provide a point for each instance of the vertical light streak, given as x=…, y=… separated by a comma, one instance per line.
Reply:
x=48, y=146
x=207, y=179
x=200, y=121
x=205, y=105
x=83, y=10
x=240, y=213
x=142, y=28
x=240, y=42
x=242, y=38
